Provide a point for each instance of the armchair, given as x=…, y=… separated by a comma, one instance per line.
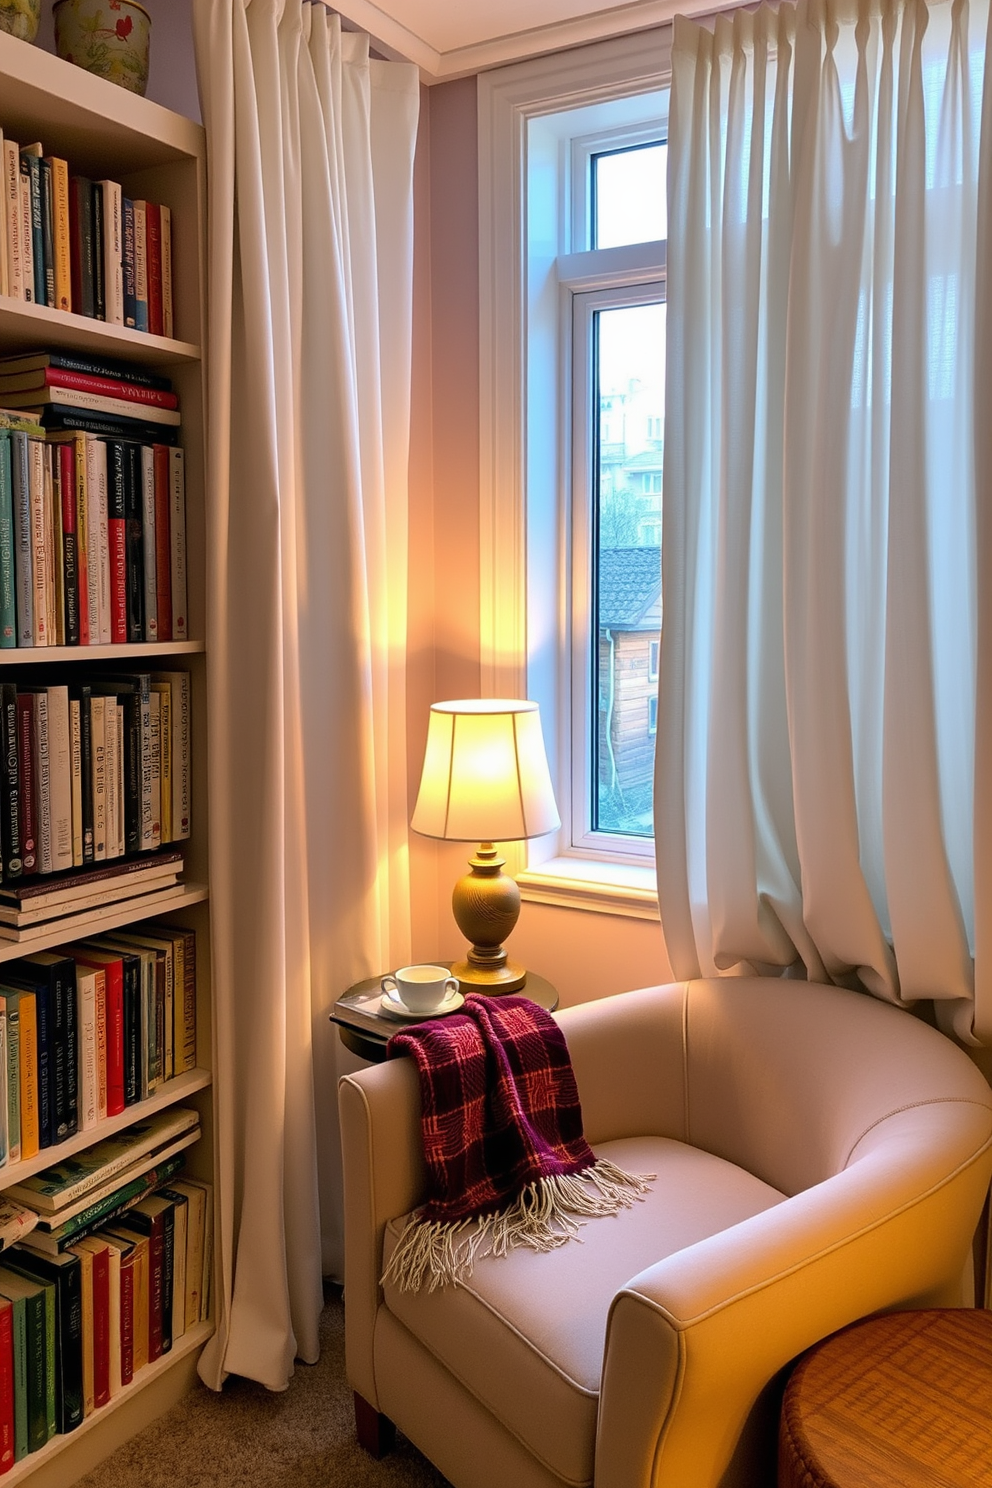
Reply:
x=820, y=1156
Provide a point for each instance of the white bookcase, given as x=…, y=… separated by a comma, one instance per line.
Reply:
x=105, y=132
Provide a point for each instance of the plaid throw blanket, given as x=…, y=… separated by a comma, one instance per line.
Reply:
x=507, y=1163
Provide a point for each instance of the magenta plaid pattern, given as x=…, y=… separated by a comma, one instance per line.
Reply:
x=500, y=1107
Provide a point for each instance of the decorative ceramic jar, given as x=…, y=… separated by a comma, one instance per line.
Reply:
x=108, y=37
x=20, y=18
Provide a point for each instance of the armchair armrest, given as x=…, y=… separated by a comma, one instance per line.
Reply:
x=384, y=1177
x=628, y=1054
x=693, y=1341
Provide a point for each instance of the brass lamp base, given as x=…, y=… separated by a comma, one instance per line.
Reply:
x=486, y=906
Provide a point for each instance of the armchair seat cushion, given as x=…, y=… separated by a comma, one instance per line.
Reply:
x=526, y=1334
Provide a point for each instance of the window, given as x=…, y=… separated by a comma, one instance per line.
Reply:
x=573, y=156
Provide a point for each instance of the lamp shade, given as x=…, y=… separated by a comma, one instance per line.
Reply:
x=485, y=776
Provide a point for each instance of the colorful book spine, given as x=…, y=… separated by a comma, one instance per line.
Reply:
x=140, y=266
x=12, y=218
x=31, y=174
x=153, y=234
x=177, y=543
x=12, y=1010
x=168, y=320
x=163, y=543
x=26, y=234
x=117, y=539
x=47, y=239
x=65, y=453
x=113, y=252
x=20, y=472
x=30, y=1145
x=83, y=248
x=8, y=594
x=88, y=627
x=10, y=822
x=61, y=232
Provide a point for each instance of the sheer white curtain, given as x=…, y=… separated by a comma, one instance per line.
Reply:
x=310, y=152
x=816, y=746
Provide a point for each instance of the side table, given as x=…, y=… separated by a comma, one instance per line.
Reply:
x=366, y=1031
x=902, y=1401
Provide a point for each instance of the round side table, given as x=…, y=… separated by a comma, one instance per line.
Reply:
x=902, y=1401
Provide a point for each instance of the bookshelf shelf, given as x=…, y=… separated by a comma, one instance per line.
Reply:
x=169, y=1094
x=111, y=917
x=104, y=132
x=190, y=1343
x=24, y=326
x=138, y=653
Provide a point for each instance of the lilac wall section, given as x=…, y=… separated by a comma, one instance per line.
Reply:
x=586, y=955
x=172, y=70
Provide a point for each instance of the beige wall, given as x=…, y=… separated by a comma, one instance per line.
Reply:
x=587, y=955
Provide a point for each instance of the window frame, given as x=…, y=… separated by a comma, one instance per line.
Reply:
x=525, y=447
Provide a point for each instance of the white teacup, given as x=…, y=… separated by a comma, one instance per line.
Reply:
x=420, y=988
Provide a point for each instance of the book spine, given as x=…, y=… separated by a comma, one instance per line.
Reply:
x=37, y=1309
x=163, y=543
x=165, y=222
x=113, y=257
x=100, y=982
x=129, y=265
x=10, y=824
x=86, y=774
x=99, y=288
x=20, y=474
x=115, y=1040
x=37, y=453
x=149, y=549
x=8, y=591
x=12, y=218
x=4, y=1136
x=108, y=426
x=116, y=389
x=30, y=167
x=97, y=547
x=4, y=244
x=99, y=758
x=60, y=777
x=114, y=1318
x=134, y=544
x=26, y=795
x=26, y=235
x=44, y=1062
x=88, y=1081
x=69, y=1033
x=156, y=767
x=54, y=558
x=140, y=267
x=177, y=542
x=85, y=1258
x=6, y=1386
x=13, y=1078
x=19, y=1315
x=117, y=540
x=81, y=230
x=76, y=763
x=153, y=233
x=61, y=233
x=132, y=1030
x=30, y=1129
x=188, y=1044
x=70, y=550
x=88, y=634
x=47, y=234
x=101, y=1328
x=42, y=780
x=127, y=1318
x=156, y=1288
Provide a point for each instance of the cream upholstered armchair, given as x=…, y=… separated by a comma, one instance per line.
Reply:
x=820, y=1156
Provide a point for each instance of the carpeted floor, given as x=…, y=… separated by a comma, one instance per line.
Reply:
x=248, y=1437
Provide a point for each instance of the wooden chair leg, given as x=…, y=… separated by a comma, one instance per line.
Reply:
x=376, y=1432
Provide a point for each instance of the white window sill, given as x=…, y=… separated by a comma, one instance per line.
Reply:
x=592, y=884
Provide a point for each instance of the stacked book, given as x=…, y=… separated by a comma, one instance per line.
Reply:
x=85, y=1304
x=92, y=504
x=93, y=769
x=81, y=245
x=90, y=1029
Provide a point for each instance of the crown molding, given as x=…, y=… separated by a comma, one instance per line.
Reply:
x=397, y=41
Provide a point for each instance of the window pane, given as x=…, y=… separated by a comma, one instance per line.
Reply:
x=629, y=396
x=629, y=189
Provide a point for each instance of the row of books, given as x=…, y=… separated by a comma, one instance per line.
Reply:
x=90, y=1029
x=83, y=246
x=92, y=769
x=92, y=540
x=76, y=1326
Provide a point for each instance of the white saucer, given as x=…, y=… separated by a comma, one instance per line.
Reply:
x=393, y=1007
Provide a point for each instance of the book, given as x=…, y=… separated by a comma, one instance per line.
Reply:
x=79, y=361
x=20, y=1366
x=113, y=254
x=99, y=1251
x=9, y=1003
x=125, y=1347
x=89, y=1082
x=177, y=543
x=180, y=1211
x=60, y=416
x=112, y=967
x=65, y=1274
x=63, y=890
x=26, y=233
x=84, y=581
x=37, y=379
x=129, y=264
x=28, y=1021
x=85, y=1259
x=117, y=540
x=58, y=971
x=196, y=1211
x=31, y=179
x=6, y=1385
x=168, y=322
x=29, y=1301
x=65, y=1182
x=60, y=777
x=12, y=217
x=153, y=236
x=93, y=1216
x=138, y=1262
x=140, y=267
x=37, y=459
x=179, y=683
x=134, y=542
x=82, y=246
x=4, y=247
x=155, y=1217
x=32, y=926
x=65, y=453
x=10, y=825
x=8, y=600
x=97, y=542
x=115, y=406
x=35, y=1008
x=24, y=703
x=16, y=1222
x=99, y=288
x=20, y=476
x=61, y=232
x=149, y=548
x=47, y=240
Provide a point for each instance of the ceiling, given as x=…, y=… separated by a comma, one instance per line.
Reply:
x=450, y=38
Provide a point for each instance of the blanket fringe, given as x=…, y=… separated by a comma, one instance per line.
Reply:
x=544, y=1215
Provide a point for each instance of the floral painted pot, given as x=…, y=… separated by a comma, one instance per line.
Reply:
x=20, y=18
x=108, y=37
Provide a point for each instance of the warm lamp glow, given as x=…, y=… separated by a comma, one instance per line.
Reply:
x=486, y=780
x=485, y=776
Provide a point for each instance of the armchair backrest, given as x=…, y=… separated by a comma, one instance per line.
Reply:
x=790, y=1080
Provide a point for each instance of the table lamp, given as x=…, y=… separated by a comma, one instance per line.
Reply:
x=485, y=780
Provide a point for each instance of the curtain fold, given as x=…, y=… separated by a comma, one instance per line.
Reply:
x=310, y=152
x=815, y=795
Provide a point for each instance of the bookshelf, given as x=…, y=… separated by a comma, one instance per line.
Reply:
x=105, y=132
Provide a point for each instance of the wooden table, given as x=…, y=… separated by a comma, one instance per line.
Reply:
x=366, y=1031
x=902, y=1401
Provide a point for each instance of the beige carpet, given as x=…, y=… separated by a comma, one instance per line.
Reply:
x=247, y=1437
